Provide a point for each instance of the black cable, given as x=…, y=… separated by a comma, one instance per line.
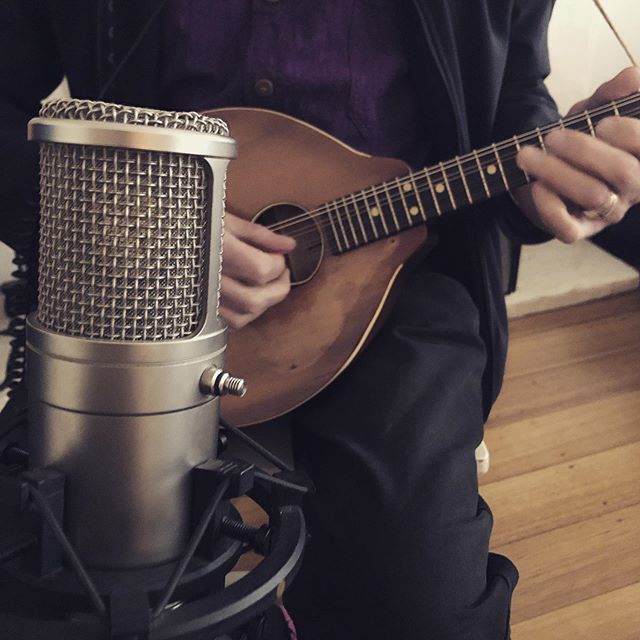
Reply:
x=14, y=456
x=130, y=51
x=256, y=446
x=18, y=302
x=279, y=482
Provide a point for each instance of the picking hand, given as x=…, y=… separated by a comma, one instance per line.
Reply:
x=580, y=175
x=254, y=273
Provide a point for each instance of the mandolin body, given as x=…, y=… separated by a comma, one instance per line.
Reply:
x=298, y=347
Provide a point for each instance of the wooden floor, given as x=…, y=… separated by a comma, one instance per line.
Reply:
x=564, y=483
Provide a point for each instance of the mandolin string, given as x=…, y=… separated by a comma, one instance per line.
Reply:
x=582, y=117
x=348, y=217
x=435, y=171
x=349, y=237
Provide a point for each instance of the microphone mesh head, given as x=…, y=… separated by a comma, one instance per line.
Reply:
x=123, y=232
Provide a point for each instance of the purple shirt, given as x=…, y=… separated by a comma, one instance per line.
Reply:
x=338, y=64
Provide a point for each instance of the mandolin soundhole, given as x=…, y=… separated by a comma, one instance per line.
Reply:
x=292, y=220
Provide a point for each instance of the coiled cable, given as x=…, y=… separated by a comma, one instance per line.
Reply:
x=20, y=298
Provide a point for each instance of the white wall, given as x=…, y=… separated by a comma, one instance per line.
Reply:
x=584, y=51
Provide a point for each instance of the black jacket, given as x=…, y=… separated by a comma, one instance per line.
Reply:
x=479, y=66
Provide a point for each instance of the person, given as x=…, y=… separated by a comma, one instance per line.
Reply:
x=399, y=535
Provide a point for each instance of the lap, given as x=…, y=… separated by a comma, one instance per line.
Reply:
x=396, y=520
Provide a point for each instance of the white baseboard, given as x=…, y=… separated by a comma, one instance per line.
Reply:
x=555, y=275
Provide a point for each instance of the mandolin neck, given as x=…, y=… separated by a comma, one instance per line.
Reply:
x=404, y=202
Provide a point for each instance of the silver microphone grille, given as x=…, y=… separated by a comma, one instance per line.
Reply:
x=123, y=232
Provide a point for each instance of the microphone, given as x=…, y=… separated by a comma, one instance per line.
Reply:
x=123, y=527
x=125, y=352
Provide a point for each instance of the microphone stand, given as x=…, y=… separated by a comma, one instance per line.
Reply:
x=50, y=593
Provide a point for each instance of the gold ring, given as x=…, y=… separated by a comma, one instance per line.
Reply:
x=605, y=210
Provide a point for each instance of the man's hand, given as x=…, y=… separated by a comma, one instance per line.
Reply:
x=254, y=274
x=579, y=172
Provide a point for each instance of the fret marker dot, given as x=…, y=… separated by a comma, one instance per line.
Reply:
x=440, y=187
x=492, y=169
x=414, y=211
x=407, y=187
x=375, y=211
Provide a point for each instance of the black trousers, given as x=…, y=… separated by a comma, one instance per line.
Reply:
x=399, y=535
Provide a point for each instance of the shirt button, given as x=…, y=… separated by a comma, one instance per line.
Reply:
x=264, y=87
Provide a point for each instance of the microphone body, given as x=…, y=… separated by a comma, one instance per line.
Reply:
x=132, y=208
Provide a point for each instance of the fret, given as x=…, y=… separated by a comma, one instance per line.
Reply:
x=464, y=180
x=518, y=147
x=333, y=228
x=350, y=221
x=492, y=172
x=629, y=107
x=370, y=214
x=391, y=207
x=357, y=208
x=590, y=123
x=447, y=185
x=541, y=139
x=433, y=193
x=474, y=177
x=418, y=197
x=500, y=167
x=481, y=172
x=404, y=202
x=594, y=117
x=380, y=211
x=344, y=234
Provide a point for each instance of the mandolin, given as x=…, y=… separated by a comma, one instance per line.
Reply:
x=357, y=220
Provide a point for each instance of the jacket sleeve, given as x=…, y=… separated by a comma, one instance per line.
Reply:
x=524, y=100
x=29, y=71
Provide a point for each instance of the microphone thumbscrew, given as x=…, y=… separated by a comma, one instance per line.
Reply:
x=216, y=382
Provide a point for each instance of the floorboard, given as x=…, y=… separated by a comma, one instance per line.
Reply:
x=568, y=385
x=571, y=564
x=584, y=341
x=564, y=485
x=585, y=313
x=593, y=619
x=562, y=435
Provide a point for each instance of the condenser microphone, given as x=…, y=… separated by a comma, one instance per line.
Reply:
x=117, y=523
x=125, y=352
